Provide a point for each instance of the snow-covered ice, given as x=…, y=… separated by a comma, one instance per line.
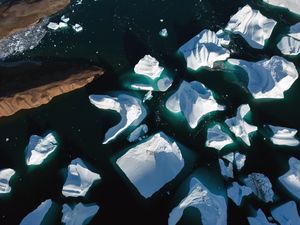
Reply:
x=5, y=176
x=237, y=192
x=149, y=67
x=79, y=214
x=284, y=136
x=217, y=138
x=286, y=214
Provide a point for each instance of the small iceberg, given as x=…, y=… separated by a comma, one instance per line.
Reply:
x=5, y=176
x=216, y=138
x=236, y=192
x=138, y=133
x=239, y=126
x=291, y=180
x=194, y=101
x=56, y=26
x=252, y=26
x=204, y=50
x=259, y=219
x=292, y=5
x=236, y=159
x=77, y=27
x=213, y=208
x=36, y=216
x=226, y=171
x=261, y=186
x=79, y=179
x=284, y=136
x=152, y=163
x=268, y=78
x=39, y=148
x=290, y=44
x=286, y=214
x=79, y=214
x=148, y=96
x=163, y=33
x=149, y=67
x=131, y=110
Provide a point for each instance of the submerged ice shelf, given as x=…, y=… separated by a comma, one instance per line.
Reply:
x=5, y=176
x=79, y=214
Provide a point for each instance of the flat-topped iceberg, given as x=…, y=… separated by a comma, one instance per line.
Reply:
x=138, y=133
x=236, y=159
x=193, y=100
x=290, y=44
x=79, y=179
x=131, y=110
x=79, y=214
x=148, y=66
x=268, y=78
x=291, y=179
x=212, y=207
x=292, y=5
x=36, y=216
x=39, y=148
x=286, y=213
x=216, y=138
x=204, y=50
x=284, y=136
x=5, y=176
x=236, y=192
x=152, y=163
x=239, y=126
x=259, y=219
x=252, y=26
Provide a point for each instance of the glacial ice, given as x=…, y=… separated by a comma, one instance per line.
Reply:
x=292, y=5
x=79, y=179
x=284, y=136
x=237, y=159
x=148, y=96
x=216, y=138
x=131, y=110
x=226, y=171
x=138, y=132
x=5, y=176
x=237, y=192
x=194, y=101
x=213, y=208
x=79, y=214
x=164, y=83
x=53, y=26
x=259, y=219
x=39, y=148
x=290, y=44
x=252, y=26
x=268, y=78
x=149, y=67
x=152, y=163
x=204, y=50
x=286, y=214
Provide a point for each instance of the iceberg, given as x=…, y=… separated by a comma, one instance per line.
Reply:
x=259, y=219
x=138, y=133
x=216, y=138
x=237, y=159
x=284, y=136
x=213, y=208
x=131, y=110
x=39, y=148
x=252, y=26
x=292, y=5
x=239, y=126
x=163, y=33
x=79, y=214
x=290, y=44
x=148, y=96
x=237, y=192
x=152, y=163
x=164, y=83
x=204, y=50
x=149, y=67
x=261, y=186
x=194, y=101
x=5, y=176
x=79, y=179
x=226, y=171
x=268, y=78
x=291, y=179
x=77, y=27
x=36, y=216
x=286, y=214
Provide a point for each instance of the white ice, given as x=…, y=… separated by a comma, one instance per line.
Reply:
x=284, y=136
x=292, y=5
x=290, y=44
x=5, y=176
x=149, y=67
x=217, y=138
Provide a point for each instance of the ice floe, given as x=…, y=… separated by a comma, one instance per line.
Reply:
x=130, y=109
x=79, y=214
x=237, y=192
x=149, y=67
x=194, y=101
x=286, y=214
x=204, y=50
x=148, y=96
x=79, y=179
x=284, y=136
x=252, y=26
x=259, y=219
x=292, y=5
x=290, y=44
x=5, y=176
x=152, y=163
x=216, y=138
x=138, y=133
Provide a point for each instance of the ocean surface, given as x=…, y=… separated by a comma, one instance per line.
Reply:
x=116, y=34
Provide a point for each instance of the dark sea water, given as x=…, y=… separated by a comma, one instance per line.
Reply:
x=116, y=34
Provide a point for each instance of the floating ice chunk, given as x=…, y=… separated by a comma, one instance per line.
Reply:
x=284, y=136
x=79, y=214
x=65, y=19
x=259, y=219
x=163, y=33
x=152, y=163
x=53, y=26
x=252, y=26
x=290, y=44
x=164, y=84
x=194, y=101
x=138, y=132
x=148, y=96
x=131, y=110
x=268, y=78
x=39, y=148
x=237, y=192
x=295, y=31
x=5, y=176
x=36, y=216
x=286, y=214
x=77, y=27
x=149, y=67
x=213, y=208
x=216, y=138
x=229, y=157
x=239, y=126
x=261, y=186
x=223, y=37
x=292, y=5
x=79, y=179
x=291, y=179
x=204, y=50
x=226, y=171
x=142, y=87
x=240, y=160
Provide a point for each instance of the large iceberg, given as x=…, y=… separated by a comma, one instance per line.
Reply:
x=239, y=126
x=252, y=26
x=131, y=110
x=290, y=44
x=237, y=192
x=291, y=179
x=268, y=78
x=39, y=148
x=79, y=179
x=286, y=214
x=194, y=101
x=5, y=176
x=148, y=66
x=79, y=214
x=152, y=163
x=260, y=219
x=204, y=50
x=216, y=138
x=291, y=5
x=213, y=208
x=284, y=136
